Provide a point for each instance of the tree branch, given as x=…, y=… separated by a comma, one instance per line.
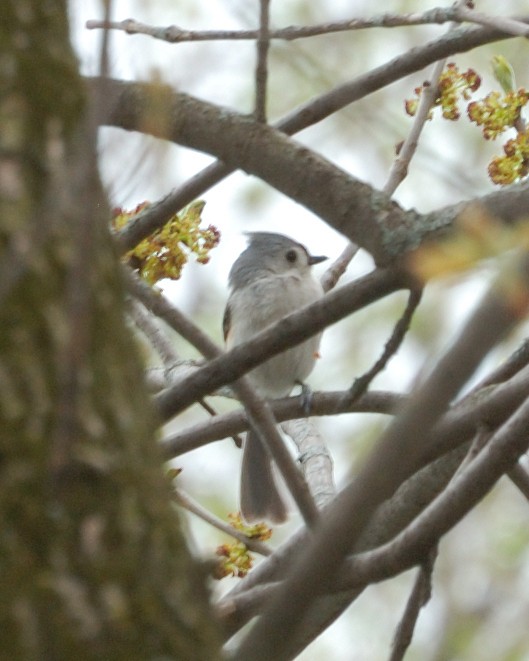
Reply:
x=261, y=70
x=419, y=597
x=366, y=216
x=460, y=496
x=175, y=34
x=438, y=15
x=508, y=25
x=188, y=503
x=290, y=408
x=314, y=458
x=361, y=384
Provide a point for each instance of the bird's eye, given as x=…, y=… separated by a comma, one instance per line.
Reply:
x=291, y=256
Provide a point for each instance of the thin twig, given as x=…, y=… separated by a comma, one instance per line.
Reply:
x=429, y=94
x=176, y=34
x=195, y=508
x=261, y=70
x=513, y=364
x=158, y=305
x=419, y=597
x=503, y=23
x=397, y=174
x=400, y=166
x=339, y=266
x=391, y=347
x=158, y=340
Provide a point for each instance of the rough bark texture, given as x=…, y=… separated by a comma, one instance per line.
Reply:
x=93, y=561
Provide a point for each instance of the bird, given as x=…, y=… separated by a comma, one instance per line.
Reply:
x=271, y=278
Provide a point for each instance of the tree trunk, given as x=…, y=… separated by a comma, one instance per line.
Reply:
x=93, y=563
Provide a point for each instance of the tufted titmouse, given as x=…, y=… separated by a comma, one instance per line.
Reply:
x=270, y=279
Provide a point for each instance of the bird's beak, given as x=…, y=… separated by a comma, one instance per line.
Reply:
x=313, y=259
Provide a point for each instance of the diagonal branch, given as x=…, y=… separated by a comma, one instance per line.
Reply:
x=361, y=384
x=461, y=495
x=366, y=216
x=419, y=597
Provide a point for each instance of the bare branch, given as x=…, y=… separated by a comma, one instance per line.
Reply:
x=412, y=545
x=392, y=517
x=361, y=384
x=494, y=406
x=188, y=503
x=460, y=496
x=314, y=458
x=262, y=420
x=327, y=403
x=419, y=597
x=518, y=360
x=156, y=215
x=234, y=611
x=175, y=34
x=154, y=335
x=157, y=304
x=261, y=71
x=507, y=25
x=338, y=267
x=412, y=497
x=490, y=406
x=400, y=166
x=520, y=477
x=460, y=40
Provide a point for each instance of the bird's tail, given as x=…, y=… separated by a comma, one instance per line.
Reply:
x=260, y=499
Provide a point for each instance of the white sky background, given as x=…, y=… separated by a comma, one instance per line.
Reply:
x=450, y=166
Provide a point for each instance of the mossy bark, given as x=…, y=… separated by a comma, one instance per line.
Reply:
x=93, y=563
